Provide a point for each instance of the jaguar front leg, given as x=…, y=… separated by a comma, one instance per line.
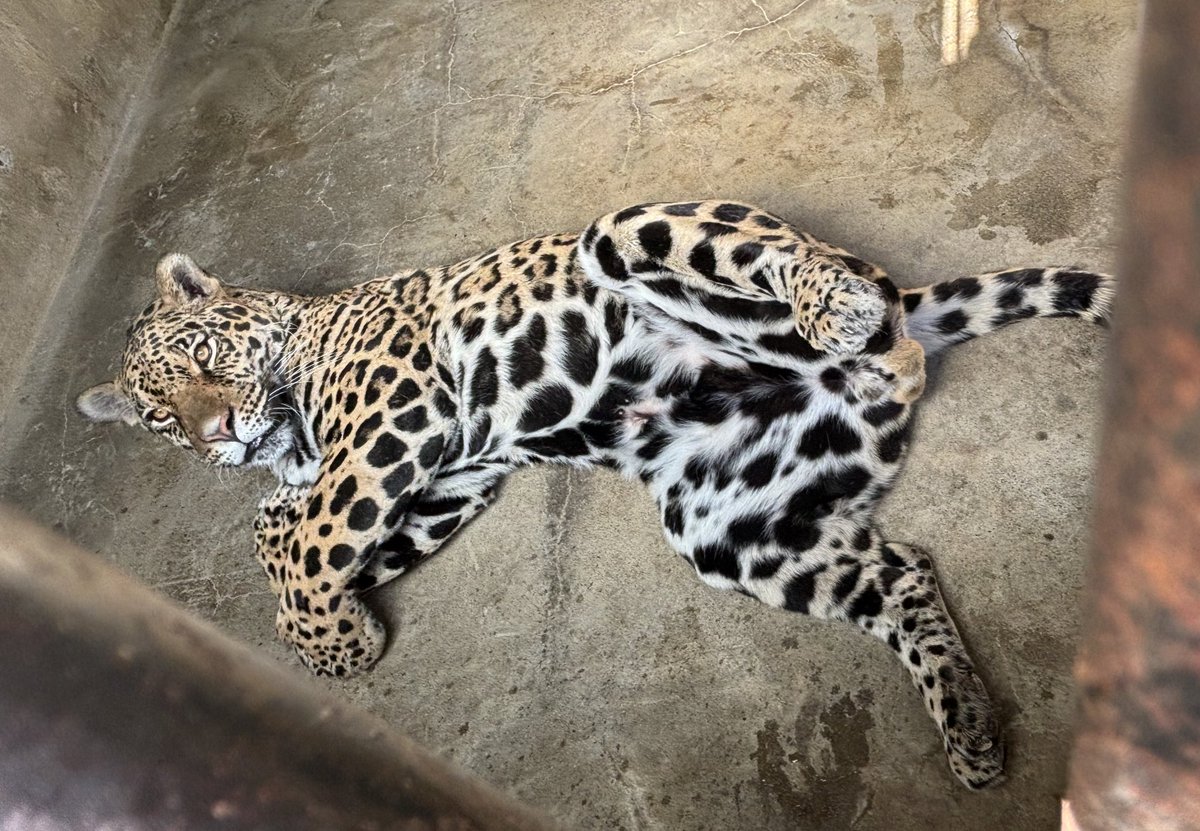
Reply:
x=274, y=528
x=367, y=484
x=450, y=502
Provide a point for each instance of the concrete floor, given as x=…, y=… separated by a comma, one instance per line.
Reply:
x=557, y=648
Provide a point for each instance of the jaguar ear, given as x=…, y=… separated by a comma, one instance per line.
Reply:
x=104, y=403
x=183, y=283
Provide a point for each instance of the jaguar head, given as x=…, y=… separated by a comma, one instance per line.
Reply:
x=201, y=369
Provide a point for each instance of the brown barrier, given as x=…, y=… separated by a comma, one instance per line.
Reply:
x=119, y=710
x=1136, y=763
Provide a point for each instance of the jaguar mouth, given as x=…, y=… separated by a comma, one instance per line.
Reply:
x=253, y=446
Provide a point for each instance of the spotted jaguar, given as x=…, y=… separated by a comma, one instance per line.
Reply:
x=759, y=381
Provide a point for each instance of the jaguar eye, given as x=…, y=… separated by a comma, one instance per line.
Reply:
x=202, y=354
x=159, y=416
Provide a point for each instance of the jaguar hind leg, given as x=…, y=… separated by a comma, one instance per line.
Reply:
x=890, y=591
x=897, y=375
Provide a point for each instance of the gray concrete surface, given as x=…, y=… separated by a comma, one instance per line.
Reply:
x=557, y=648
x=70, y=70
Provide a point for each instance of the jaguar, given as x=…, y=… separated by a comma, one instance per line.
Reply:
x=758, y=380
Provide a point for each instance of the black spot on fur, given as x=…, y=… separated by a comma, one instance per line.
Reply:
x=667, y=287
x=485, y=385
x=817, y=501
x=366, y=429
x=847, y=583
x=829, y=435
x=862, y=539
x=790, y=343
x=1074, y=292
x=610, y=262
x=344, y=493
x=892, y=445
x=362, y=514
x=583, y=349
x=314, y=506
x=401, y=343
x=1026, y=277
x=766, y=569
x=405, y=393
x=882, y=341
x=549, y=406
x=703, y=260
x=312, y=561
x=759, y=472
x=953, y=321
x=833, y=379
x=473, y=330
x=868, y=604
x=399, y=479
x=636, y=369
x=387, y=450
x=1002, y=318
x=880, y=414
x=412, y=420
x=717, y=229
x=656, y=441
x=431, y=451
x=746, y=253
x=443, y=529
x=614, y=322
x=964, y=287
x=857, y=267
x=628, y=214
x=700, y=409
x=800, y=590
x=565, y=443
x=525, y=361
x=655, y=237
x=717, y=558
x=729, y=212
x=341, y=555
x=750, y=529
x=1011, y=297
x=681, y=209
x=891, y=558
x=745, y=308
x=796, y=532
x=444, y=404
x=673, y=518
x=421, y=359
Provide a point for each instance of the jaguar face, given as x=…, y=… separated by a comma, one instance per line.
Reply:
x=201, y=370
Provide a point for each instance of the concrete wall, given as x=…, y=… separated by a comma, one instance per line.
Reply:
x=70, y=70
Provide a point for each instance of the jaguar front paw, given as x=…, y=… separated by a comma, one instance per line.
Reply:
x=842, y=317
x=341, y=640
x=898, y=375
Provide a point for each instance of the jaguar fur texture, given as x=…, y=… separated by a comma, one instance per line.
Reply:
x=758, y=380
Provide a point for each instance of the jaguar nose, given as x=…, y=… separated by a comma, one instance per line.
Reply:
x=218, y=428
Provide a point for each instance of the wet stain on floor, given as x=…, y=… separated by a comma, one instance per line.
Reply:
x=818, y=784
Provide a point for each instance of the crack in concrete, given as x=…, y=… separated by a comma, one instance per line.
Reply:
x=1037, y=73
x=197, y=578
x=401, y=224
x=769, y=22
